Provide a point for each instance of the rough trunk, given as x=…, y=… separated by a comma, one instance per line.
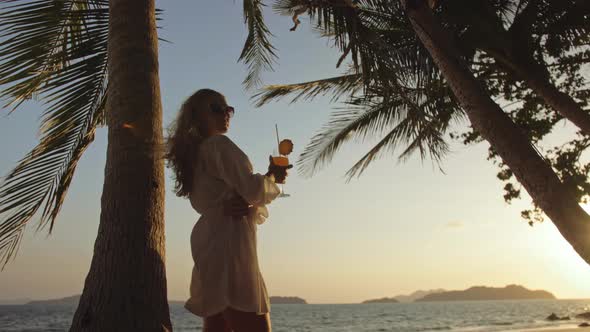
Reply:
x=125, y=289
x=537, y=177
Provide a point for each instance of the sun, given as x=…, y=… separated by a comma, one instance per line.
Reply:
x=564, y=260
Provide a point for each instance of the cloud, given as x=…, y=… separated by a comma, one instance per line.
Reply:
x=454, y=224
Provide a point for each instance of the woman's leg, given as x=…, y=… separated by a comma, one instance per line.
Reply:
x=215, y=323
x=241, y=321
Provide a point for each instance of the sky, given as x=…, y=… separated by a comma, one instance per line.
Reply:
x=398, y=228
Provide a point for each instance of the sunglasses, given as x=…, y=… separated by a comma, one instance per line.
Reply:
x=217, y=109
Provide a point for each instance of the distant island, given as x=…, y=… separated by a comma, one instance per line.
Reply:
x=382, y=300
x=405, y=298
x=287, y=300
x=481, y=293
x=476, y=293
x=70, y=300
x=15, y=301
x=417, y=295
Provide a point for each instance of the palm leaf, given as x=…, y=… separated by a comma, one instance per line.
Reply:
x=341, y=128
x=258, y=53
x=54, y=51
x=403, y=94
x=338, y=86
x=375, y=34
x=423, y=133
x=417, y=117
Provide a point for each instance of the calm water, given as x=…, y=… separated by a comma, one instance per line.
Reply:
x=435, y=316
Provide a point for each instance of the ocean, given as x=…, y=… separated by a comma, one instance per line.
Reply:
x=425, y=316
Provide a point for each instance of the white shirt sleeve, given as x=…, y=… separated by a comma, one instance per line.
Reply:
x=229, y=163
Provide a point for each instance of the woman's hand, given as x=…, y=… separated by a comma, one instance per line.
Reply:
x=235, y=207
x=280, y=172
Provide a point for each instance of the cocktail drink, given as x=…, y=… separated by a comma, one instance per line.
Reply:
x=285, y=148
x=281, y=161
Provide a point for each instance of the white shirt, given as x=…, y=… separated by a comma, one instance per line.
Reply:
x=226, y=271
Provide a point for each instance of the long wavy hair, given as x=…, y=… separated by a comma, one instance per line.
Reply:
x=185, y=135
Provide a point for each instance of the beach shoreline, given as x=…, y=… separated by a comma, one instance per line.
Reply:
x=556, y=329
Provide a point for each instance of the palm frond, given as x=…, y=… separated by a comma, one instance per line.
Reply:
x=403, y=93
x=54, y=51
x=341, y=127
x=337, y=86
x=375, y=34
x=424, y=134
x=416, y=116
x=258, y=52
x=337, y=18
x=288, y=7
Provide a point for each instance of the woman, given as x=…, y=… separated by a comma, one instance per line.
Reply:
x=226, y=289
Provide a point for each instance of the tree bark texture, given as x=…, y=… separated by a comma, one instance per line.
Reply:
x=125, y=289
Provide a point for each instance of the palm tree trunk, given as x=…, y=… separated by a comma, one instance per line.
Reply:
x=537, y=176
x=125, y=289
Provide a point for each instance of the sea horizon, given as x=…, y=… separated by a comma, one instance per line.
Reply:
x=25, y=300
x=482, y=316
